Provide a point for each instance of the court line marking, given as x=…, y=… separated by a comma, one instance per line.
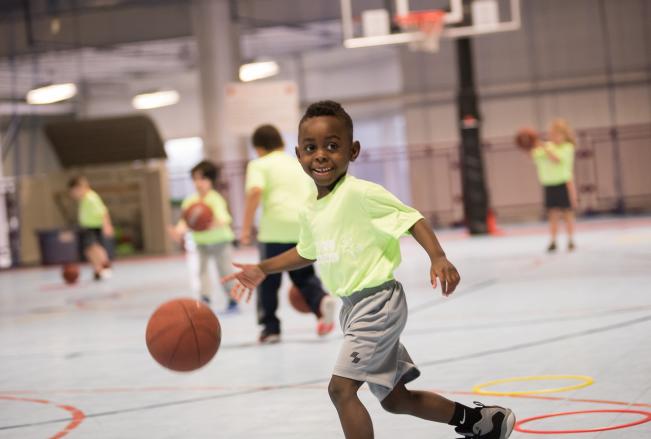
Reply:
x=584, y=381
x=77, y=415
x=321, y=380
x=645, y=419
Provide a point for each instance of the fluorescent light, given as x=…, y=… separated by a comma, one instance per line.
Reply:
x=50, y=94
x=146, y=101
x=258, y=70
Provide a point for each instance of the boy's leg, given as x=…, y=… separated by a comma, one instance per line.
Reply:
x=568, y=216
x=482, y=422
x=553, y=215
x=354, y=418
x=268, y=304
x=321, y=303
x=223, y=255
x=267, y=292
x=310, y=287
x=94, y=250
x=97, y=256
x=425, y=405
x=204, y=277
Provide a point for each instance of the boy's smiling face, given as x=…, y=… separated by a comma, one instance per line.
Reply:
x=325, y=148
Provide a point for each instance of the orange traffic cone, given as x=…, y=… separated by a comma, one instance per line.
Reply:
x=491, y=224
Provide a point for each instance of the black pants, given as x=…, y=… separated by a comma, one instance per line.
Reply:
x=304, y=278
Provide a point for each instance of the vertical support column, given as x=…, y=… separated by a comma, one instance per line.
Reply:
x=5, y=251
x=475, y=195
x=218, y=46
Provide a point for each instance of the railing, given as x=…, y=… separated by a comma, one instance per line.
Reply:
x=611, y=174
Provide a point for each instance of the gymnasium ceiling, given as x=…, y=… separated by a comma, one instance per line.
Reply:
x=108, y=42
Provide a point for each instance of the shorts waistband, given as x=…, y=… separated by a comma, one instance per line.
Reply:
x=358, y=296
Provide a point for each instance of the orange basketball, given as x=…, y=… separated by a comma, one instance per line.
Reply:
x=198, y=216
x=70, y=273
x=297, y=300
x=526, y=139
x=183, y=334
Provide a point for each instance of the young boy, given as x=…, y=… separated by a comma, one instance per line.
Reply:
x=352, y=229
x=95, y=223
x=278, y=181
x=216, y=242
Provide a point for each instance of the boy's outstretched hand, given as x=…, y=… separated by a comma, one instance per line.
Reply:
x=249, y=277
x=447, y=274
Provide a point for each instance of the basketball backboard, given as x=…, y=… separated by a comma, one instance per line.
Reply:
x=365, y=26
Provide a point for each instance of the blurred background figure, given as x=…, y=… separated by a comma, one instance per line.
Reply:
x=554, y=161
x=278, y=182
x=214, y=239
x=95, y=223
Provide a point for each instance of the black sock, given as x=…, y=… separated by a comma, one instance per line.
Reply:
x=464, y=416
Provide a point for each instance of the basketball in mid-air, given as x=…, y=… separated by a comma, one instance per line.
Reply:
x=183, y=334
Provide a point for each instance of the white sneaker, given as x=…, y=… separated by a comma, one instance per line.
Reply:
x=326, y=324
x=106, y=273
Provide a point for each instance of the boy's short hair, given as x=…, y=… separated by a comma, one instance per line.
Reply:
x=76, y=181
x=267, y=137
x=328, y=108
x=207, y=169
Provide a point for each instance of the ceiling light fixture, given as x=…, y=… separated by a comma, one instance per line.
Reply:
x=258, y=70
x=50, y=94
x=156, y=99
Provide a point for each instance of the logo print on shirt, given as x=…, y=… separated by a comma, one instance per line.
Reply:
x=349, y=247
x=355, y=357
x=325, y=252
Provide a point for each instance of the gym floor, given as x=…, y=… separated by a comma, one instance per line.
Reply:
x=74, y=362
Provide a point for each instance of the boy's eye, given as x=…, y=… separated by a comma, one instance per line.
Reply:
x=309, y=147
x=332, y=146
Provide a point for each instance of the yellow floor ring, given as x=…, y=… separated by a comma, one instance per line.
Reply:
x=584, y=381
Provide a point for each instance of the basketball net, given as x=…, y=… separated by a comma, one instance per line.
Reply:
x=428, y=23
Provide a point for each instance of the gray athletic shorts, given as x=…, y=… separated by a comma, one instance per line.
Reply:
x=372, y=321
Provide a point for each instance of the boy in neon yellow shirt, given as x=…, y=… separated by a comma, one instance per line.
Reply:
x=95, y=223
x=554, y=162
x=216, y=242
x=277, y=181
x=352, y=230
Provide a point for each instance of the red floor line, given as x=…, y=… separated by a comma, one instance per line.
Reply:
x=77, y=415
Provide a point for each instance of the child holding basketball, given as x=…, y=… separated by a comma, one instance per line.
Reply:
x=95, y=223
x=216, y=241
x=352, y=229
x=554, y=162
x=277, y=180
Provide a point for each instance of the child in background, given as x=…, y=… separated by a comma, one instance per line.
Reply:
x=277, y=181
x=95, y=223
x=351, y=228
x=555, y=165
x=217, y=241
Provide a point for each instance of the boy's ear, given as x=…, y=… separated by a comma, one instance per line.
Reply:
x=298, y=155
x=354, y=150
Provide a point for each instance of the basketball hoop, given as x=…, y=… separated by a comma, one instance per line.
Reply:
x=428, y=23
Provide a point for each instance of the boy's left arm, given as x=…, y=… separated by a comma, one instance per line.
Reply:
x=441, y=267
x=107, y=225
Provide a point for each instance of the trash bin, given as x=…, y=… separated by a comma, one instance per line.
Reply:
x=58, y=246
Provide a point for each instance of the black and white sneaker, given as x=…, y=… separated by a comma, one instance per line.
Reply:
x=494, y=423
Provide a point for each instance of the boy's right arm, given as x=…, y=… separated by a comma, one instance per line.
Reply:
x=252, y=275
x=177, y=231
x=253, y=196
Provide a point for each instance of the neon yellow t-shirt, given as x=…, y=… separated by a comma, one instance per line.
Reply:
x=285, y=191
x=220, y=214
x=553, y=173
x=91, y=210
x=353, y=233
